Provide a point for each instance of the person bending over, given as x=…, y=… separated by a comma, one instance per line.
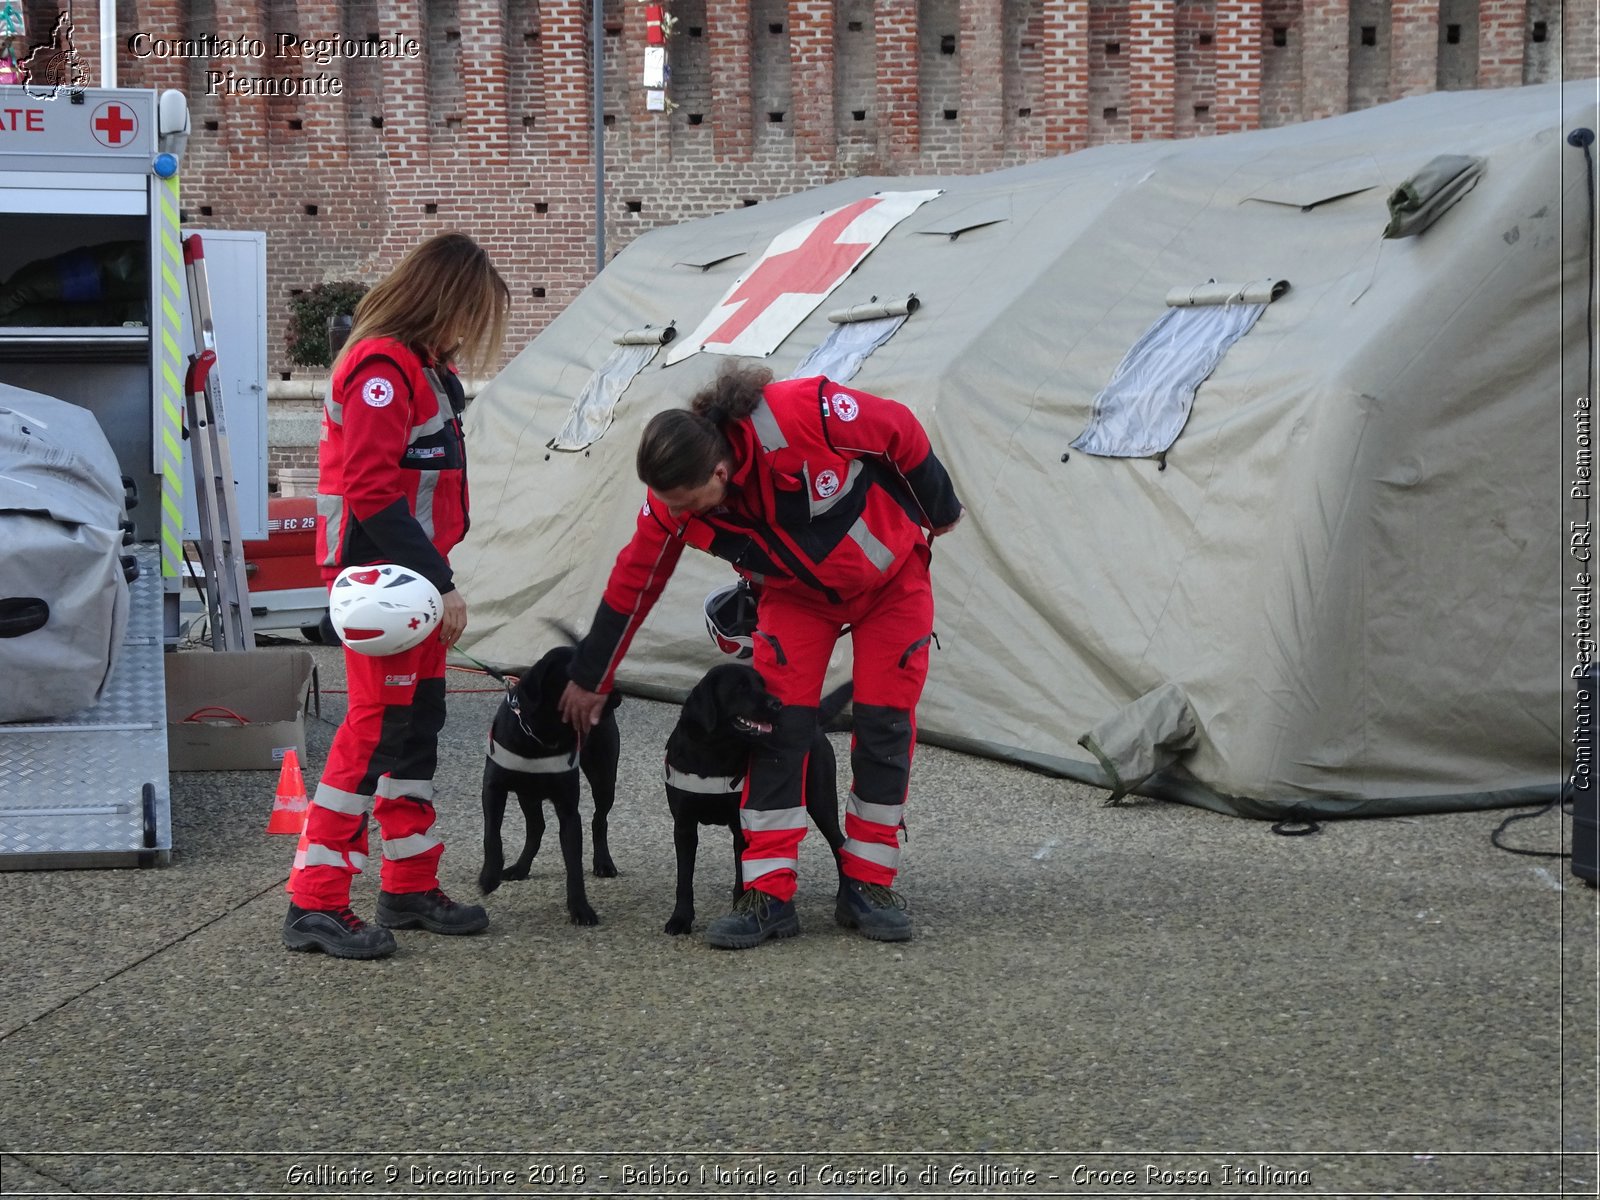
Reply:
x=827, y=499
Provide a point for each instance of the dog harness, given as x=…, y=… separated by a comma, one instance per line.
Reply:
x=558, y=763
x=702, y=785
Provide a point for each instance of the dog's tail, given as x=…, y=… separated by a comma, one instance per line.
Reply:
x=831, y=715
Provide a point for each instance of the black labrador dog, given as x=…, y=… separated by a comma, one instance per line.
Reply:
x=725, y=713
x=535, y=754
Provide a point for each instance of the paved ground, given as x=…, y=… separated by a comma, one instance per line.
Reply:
x=1390, y=1007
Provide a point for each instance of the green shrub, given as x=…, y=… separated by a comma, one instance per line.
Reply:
x=308, y=320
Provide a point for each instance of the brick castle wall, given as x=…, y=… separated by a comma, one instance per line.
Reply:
x=488, y=128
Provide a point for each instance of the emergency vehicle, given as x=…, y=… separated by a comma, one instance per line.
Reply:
x=81, y=170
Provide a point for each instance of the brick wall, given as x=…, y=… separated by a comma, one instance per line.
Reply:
x=939, y=82
x=1282, y=63
x=1109, y=53
x=1370, y=44
x=490, y=129
x=1194, y=84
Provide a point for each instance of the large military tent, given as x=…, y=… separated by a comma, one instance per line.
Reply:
x=1331, y=585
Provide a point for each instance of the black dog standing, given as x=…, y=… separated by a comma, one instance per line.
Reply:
x=707, y=754
x=535, y=754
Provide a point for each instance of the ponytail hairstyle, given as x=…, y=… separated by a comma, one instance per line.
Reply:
x=682, y=447
x=445, y=299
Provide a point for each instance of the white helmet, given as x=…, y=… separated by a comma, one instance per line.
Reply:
x=383, y=609
x=731, y=619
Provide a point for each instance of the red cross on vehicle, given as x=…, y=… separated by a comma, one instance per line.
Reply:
x=111, y=122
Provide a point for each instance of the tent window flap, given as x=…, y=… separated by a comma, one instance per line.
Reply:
x=1144, y=407
x=591, y=413
x=858, y=331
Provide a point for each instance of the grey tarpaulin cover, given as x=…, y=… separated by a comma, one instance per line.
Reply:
x=63, y=596
x=1428, y=195
x=1353, y=568
x=1135, y=742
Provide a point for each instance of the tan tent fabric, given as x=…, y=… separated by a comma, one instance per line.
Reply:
x=1351, y=566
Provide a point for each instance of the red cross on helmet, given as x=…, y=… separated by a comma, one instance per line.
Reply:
x=383, y=609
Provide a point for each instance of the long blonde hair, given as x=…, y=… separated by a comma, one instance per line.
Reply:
x=444, y=289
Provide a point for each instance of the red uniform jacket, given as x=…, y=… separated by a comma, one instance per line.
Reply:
x=392, y=463
x=832, y=489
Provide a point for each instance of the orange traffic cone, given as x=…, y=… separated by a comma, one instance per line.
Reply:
x=290, y=804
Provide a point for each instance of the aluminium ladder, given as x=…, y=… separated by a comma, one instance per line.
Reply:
x=216, y=498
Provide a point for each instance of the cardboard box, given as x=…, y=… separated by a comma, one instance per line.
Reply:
x=268, y=689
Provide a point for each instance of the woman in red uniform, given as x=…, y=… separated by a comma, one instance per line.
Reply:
x=827, y=499
x=392, y=488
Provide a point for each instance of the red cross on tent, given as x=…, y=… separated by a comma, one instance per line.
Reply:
x=811, y=268
x=800, y=267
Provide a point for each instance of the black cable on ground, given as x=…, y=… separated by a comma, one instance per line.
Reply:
x=1528, y=816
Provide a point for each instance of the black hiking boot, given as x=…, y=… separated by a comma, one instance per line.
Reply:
x=432, y=910
x=756, y=917
x=880, y=914
x=335, y=931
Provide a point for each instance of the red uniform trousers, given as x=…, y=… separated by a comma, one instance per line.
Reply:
x=890, y=628
x=383, y=758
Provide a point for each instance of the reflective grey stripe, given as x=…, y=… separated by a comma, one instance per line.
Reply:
x=409, y=847
x=440, y=397
x=331, y=510
x=327, y=856
x=889, y=815
x=338, y=801
x=705, y=785
x=334, y=409
x=754, y=868
x=425, y=488
x=770, y=820
x=432, y=425
x=818, y=507
x=877, y=553
x=766, y=427
x=557, y=764
x=391, y=788
x=876, y=852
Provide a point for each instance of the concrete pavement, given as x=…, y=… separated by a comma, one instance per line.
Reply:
x=1119, y=1000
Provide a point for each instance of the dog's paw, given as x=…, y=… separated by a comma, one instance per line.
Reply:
x=679, y=924
x=488, y=880
x=584, y=916
x=604, y=867
x=516, y=871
